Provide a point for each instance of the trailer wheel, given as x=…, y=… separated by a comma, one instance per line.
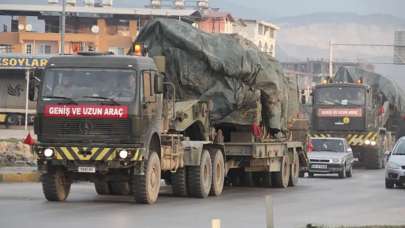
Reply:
x=55, y=185
x=280, y=179
x=218, y=173
x=295, y=170
x=146, y=187
x=179, y=182
x=102, y=187
x=199, y=178
x=120, y=188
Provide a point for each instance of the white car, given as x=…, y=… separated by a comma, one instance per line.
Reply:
x=330, y=155
x=395, y=168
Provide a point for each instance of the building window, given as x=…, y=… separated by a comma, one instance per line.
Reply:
x=272, y=33
x=261, y=29
x=117, y=50
x=5, y=48
x=46, y=49
x=28, y=48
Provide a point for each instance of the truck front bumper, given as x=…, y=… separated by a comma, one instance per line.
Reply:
x=99, y=158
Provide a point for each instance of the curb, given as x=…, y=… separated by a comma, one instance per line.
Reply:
x=19, y=177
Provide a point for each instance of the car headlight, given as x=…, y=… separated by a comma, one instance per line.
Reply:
x=367, y=142
x=48, y=152
x=336, y=160
x=373, y=143
x=123, y=154
x=393, y=165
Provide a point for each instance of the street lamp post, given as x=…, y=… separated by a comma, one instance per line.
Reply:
x=62, y=28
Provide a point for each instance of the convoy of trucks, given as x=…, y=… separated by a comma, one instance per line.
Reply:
x=118, y=121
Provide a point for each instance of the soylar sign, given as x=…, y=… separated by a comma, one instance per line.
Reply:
x=22, y=62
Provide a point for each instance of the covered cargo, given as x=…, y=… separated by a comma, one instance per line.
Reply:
x=232, y=72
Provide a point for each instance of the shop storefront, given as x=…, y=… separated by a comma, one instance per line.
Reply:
x=15, y=72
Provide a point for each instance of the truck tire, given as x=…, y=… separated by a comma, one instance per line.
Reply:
x=55, y=185
x=373, y=159
x=218, y=173
x=146, y=187
x=295, y=171
x=120, y=188
x=199, y=178
x=282, y=178
x=179, y=182
x=102, y=187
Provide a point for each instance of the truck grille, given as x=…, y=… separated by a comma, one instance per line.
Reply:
x=86, y=126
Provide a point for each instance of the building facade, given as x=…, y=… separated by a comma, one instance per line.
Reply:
x=261, y=33
x=215, y=21
x=34, y=29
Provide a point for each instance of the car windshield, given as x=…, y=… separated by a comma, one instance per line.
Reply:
x=340, y=96
x=327, y=145
x=84, y=83
x=399, y=148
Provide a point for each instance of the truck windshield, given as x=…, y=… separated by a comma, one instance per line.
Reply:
x=86, y=83
x=340, y=96
x=327, y=145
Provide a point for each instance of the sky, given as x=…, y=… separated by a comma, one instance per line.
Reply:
x=268, y=9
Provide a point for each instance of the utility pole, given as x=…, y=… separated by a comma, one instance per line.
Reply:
x=330, y=59
x=62, y=28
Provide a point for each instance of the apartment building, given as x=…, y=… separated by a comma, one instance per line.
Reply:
x=34, y=29
x=261, y=33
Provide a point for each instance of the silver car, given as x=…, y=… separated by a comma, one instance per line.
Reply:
x=395, y=168
x=330, y=155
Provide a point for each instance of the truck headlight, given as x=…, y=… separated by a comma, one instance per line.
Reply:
x=393, y=165
x=373, y=143
x=123, y=154
x=367, y=142
x=48, y=152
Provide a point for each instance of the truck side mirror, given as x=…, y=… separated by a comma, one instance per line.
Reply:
x=158, y=84
x=33, y=86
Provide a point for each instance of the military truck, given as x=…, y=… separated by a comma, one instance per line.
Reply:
x=194, y=115
x=352, y=106
x=110, y=120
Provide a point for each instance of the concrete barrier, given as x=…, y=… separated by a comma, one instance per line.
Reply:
x=19, y=177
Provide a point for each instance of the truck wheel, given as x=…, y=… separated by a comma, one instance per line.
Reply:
x=218, y=173
x=146, y=187
x=120, y=188
x=342, y=174
x=179, y=182
x=200, y=177
x=295, y=170
x=102, y=187
x=389, y=184
x=373, y=159
x=280, y=179
x=55, y=185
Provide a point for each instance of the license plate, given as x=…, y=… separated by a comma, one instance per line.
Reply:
x=316, y=166
x=87, y=169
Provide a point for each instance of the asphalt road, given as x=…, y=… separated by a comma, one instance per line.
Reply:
x=328, y=200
